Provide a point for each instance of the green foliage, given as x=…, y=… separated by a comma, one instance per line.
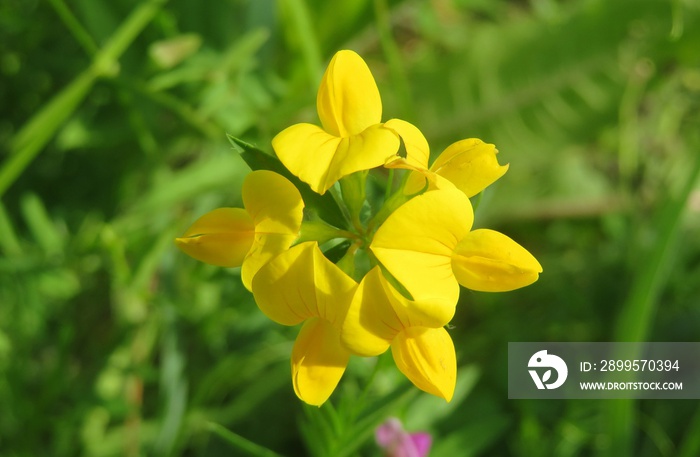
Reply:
x=115, y=116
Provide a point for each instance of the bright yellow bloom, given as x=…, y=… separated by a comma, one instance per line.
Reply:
x=301, y=285
x=427, y=245
x=232, y=237
x=470, y=165
x=352, y=137
x=380, y=317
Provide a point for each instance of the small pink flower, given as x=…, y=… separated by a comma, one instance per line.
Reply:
x=396, y=442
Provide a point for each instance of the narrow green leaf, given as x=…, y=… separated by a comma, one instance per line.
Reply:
x=636, y=318
x=173, y=385
x=690, y=446
x=41, y=225
x=39, y=130
x=8, y=239
x=244, y=445
x=428, y=410
x=300, y=20
x=34, y=135
x=374, y=415
x=325, y=205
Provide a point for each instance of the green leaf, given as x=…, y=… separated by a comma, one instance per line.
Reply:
x=324, y=205
x=247, y=447
x=41, y=225
x=9, y=244
x=374, y=415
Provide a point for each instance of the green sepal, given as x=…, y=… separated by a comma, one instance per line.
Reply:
x=396, y=284
x=319, y=231
x=336, y=252
x=347, y=262
x=396, y=199
x=324, y=205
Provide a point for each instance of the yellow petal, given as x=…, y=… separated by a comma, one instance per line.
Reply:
x=417, y=179
x=417, y=156
x=318, y=361
x=470, y=164
x=416, y=243
x=301, y=284
x=370, y=323
x=416, y=182
x=273, y=202
x=348, y=100
x=265, y=247
x=378, y=313
x=489, y=261
x=276, y=208
x=427, y=357
x=221, y=237
x=307, y=151
x=417, y=148
x=364, y=151
x=320, y=159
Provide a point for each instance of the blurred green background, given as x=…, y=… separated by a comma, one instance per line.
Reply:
x=113, y=140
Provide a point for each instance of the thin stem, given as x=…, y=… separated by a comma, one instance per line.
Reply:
x=177, y=106
x=341, y=204
x=74, y=26
x=39, y=130
x=389, y=184
x=310, y=49
x=690, y=446
x=238, y=442
x=393, y=55
x=396, y=199
x=636, y=318
x=368, y=384
x=676, y=19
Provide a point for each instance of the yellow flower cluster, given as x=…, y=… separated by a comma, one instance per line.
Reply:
x=420, y=246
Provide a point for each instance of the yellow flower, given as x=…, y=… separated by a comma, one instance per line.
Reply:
x=352, y=137
x=379, y=317
x=427, y=245
x=232, y=237
x=470, y=165
x=301, y=285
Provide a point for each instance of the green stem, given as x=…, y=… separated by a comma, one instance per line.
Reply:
x=690, y=446
x=240, y=443
x=479, y=199
x=321, y=232
x=389, y=184
x=9, y=244
x=74, y=26
x=396, y=199
x=341, y=204
x=37, y=132
x=41, y=128
x=365, y=391
x=636, y=317
x=304, y=28
x=393, y=56
x=676, y=19
x=174, y=104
